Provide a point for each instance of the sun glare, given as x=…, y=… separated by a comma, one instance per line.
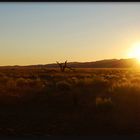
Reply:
x=134, y=51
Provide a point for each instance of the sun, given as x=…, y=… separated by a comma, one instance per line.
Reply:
x=134, y=51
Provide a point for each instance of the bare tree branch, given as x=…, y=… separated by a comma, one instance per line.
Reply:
x=63, y=66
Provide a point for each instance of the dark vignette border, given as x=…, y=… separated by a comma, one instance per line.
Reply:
x=68, y=137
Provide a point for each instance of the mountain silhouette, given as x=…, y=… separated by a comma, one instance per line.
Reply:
x=107, y=63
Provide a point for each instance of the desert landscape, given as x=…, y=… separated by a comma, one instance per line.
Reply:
x=45, y=101
x=69, y=69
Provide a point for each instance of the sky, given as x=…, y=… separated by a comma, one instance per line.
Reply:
x=41, y=33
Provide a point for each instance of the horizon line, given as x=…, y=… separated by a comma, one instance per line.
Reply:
x=16, y=65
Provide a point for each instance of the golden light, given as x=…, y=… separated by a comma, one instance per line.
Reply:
x=134, y=51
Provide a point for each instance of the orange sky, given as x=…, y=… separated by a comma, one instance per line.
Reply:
x=40, y=33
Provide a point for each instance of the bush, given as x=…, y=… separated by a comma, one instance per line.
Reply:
x=11, y=84
x=74, y=80
x=104, y=104
x=39, y=83
x=63, y=85
x=126, y=88
x=21, y=82
x=101, y=84
x=3, y=80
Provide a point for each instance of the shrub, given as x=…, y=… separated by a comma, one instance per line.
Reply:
x=11, y=84
x=88, y=81
x=63, y=85
x=84, y=82
x=74, y=80
x=4, y=80
x=126, y=87
x=39, y=83
x=104, y=104
x=100, y=84
x=21, y=82
x=31, y=83
x=135, y=80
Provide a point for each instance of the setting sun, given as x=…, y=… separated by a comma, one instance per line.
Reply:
x=134, y=51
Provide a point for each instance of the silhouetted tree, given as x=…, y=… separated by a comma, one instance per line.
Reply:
x=63, y=66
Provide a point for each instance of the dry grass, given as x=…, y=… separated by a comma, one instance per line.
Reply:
x=85, y=102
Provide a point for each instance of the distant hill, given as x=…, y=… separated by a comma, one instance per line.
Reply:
x=108, y=63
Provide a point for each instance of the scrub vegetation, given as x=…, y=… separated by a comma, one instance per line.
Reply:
x=48, y=102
